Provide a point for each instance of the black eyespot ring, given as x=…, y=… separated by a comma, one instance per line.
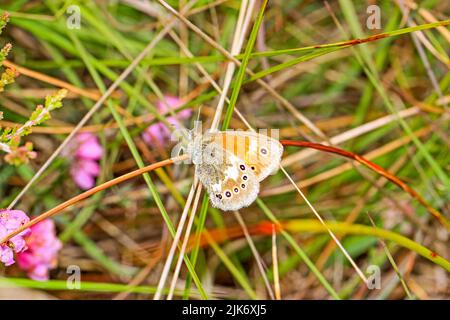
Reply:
x=236, y=190
x=263, y=150
x=228, y=194
x=253, y=168
x=242, y=167
x=243, y=186
x=244, y=177
x=220, y=196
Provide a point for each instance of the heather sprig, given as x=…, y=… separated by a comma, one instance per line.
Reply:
x=5, y=51
x=4, y=19
x=41, y=114
x=10, y=137
x=8, y=76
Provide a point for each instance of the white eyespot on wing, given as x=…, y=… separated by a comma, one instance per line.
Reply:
x=232, y=158
x=232, y=171
x=216, y=187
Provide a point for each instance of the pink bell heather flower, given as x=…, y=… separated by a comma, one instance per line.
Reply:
x=42, y=253
x=159, y=132
x=86, y=151
x=10, y=220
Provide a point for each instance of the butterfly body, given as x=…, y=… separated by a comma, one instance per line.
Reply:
x=231, y=164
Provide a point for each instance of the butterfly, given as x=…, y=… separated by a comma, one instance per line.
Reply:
x=231, y=165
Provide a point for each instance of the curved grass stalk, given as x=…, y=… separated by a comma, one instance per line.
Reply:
x=369, y=164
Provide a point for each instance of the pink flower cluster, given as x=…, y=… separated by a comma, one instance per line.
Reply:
x=36, y=247
x=86, y=153
x=42, y=252
x=159, y=133
x=10, y=220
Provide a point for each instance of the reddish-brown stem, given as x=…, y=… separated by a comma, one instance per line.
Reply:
x=154, y=166
x=92, y=191
x=374, y=167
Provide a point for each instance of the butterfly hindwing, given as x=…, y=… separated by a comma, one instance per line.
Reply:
x=230, y=184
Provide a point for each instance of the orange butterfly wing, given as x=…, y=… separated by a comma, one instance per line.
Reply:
x=261, y=153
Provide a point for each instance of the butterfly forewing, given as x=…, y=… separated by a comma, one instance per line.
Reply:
x=262, y=154
x=231, y=164
x=229, y=184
